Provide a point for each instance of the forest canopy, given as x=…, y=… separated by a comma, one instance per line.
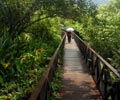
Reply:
x=17, y=15
x=102, y=31
x=30, y=33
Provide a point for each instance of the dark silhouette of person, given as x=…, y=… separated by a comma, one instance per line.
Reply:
x=69, y=33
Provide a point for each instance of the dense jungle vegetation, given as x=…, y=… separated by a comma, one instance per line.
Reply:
x=30, y=33
x=102, y=32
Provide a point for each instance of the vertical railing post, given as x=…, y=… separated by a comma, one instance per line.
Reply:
x=118, y=90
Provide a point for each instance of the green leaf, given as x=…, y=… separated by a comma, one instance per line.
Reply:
x=1, y=80
x=18, y=67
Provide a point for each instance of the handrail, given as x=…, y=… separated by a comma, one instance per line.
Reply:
x=103, y=73
x=43, y=89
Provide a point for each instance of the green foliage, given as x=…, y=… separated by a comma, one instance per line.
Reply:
x=116, y=59
x=29, y=35
x=109, y=29
x=56, y=83
x=24, y=58
x=17, y=16
x=102, y=29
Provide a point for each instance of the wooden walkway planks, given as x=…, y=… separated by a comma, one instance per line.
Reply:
x=77, y=83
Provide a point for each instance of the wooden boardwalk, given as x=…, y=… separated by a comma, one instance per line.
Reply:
x=77, y=83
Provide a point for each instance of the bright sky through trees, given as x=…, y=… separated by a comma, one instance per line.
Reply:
x=99, y=2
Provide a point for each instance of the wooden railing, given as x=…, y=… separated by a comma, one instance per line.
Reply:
x=106, y=77
x=43, y=89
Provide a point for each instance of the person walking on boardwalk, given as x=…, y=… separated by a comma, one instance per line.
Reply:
x=69, y=33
